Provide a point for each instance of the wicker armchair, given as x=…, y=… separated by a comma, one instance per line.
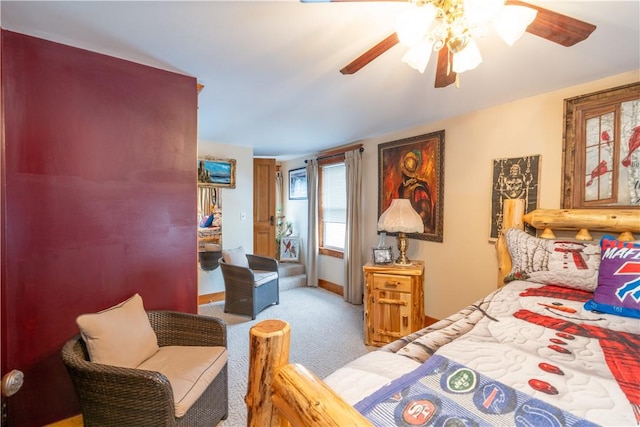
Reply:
x=115, y=396
x=246, y=291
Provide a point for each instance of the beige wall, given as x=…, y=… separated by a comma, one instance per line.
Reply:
x=462, y=269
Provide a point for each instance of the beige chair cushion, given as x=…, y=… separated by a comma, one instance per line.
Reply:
x=261, y=277
x=190, y=370
x=120, y=335
x=235, y=256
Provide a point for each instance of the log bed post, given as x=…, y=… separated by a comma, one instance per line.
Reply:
x=512, y=212
x=279, y=393
x=268, y=352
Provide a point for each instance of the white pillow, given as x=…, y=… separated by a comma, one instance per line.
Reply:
x=120, y=335
x=235, y=256
x=553, y=262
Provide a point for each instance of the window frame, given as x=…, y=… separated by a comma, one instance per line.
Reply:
x=339, y=158
x=577, y=111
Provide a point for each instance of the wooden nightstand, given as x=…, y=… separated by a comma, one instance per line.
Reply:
x=394, y=301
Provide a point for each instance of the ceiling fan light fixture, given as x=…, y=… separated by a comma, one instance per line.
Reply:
x=467, y=59
x=457, y=43
x=513, y=21
x=417, y=57
x=415, y=23
x=452, y=27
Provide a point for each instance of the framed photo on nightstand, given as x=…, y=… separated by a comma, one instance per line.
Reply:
x=382, y=255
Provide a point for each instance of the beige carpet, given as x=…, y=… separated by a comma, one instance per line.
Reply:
x=326, y=333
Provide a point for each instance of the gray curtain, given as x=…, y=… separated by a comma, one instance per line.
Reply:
x=312, y=231
x=353, y=287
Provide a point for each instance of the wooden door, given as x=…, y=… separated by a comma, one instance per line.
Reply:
x=264, y=207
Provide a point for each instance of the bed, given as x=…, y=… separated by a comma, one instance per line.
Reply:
x=557, y=343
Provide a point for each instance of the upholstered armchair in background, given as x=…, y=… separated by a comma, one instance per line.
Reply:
x=251, y=282
x=130, y=367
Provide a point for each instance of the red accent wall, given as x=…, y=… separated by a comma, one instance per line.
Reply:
x=100, y=203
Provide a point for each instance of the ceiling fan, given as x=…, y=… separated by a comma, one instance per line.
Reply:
x=454, y=31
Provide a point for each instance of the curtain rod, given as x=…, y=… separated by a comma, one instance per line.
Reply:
x=338, y=152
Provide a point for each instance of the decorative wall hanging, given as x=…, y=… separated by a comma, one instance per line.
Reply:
x=413, y=168
x=289, y=249
x=298, y=184
x=213, y=172
x=515, y=178
x=601, y=152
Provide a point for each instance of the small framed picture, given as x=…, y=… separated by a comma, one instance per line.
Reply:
x=382, y=255
x=214, y=172
x=298, y=184
x=289, y=249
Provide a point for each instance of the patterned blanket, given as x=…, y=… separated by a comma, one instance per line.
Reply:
x=444, y=393
x=540, y=341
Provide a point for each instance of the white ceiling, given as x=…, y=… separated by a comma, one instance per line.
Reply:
x=270, y=68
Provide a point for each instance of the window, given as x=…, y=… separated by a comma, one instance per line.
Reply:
x=332, y=215
x=602, y=149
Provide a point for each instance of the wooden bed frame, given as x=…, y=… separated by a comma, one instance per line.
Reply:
x=279, y=393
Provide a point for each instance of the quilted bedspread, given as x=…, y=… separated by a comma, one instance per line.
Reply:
x=444, y=393
x=539, y=341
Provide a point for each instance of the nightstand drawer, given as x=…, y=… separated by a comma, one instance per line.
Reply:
x=392, y=282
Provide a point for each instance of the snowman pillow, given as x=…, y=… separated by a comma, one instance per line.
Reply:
x=618, y=290
x=552, y=261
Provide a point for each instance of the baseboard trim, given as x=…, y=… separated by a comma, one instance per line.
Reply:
x=207, y=298
x=68, y=422
x=428, y=321
x=331, y=287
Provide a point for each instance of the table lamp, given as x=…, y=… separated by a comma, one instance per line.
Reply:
x=401, y=218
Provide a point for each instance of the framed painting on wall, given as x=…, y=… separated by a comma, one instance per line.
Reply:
x=214, y=172
x=601, y=151
x=514, y=178
x=413, y=168
x=298, y=184
x=289, y=249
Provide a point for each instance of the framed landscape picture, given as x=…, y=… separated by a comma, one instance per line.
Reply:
x=213, y=172
x=298, y=184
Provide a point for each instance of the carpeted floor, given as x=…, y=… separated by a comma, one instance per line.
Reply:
x=326, y=333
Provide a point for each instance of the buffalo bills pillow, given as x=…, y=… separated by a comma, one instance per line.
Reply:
x=618, y=290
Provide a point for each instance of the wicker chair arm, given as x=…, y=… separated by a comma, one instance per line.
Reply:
x=175, y=328
x=259, y=262
x=103, y=388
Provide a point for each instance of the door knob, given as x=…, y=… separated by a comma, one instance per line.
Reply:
x=11, y=382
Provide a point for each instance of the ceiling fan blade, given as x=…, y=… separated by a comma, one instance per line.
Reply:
x=444, y=74
x=556, y=27
x=371, y=54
